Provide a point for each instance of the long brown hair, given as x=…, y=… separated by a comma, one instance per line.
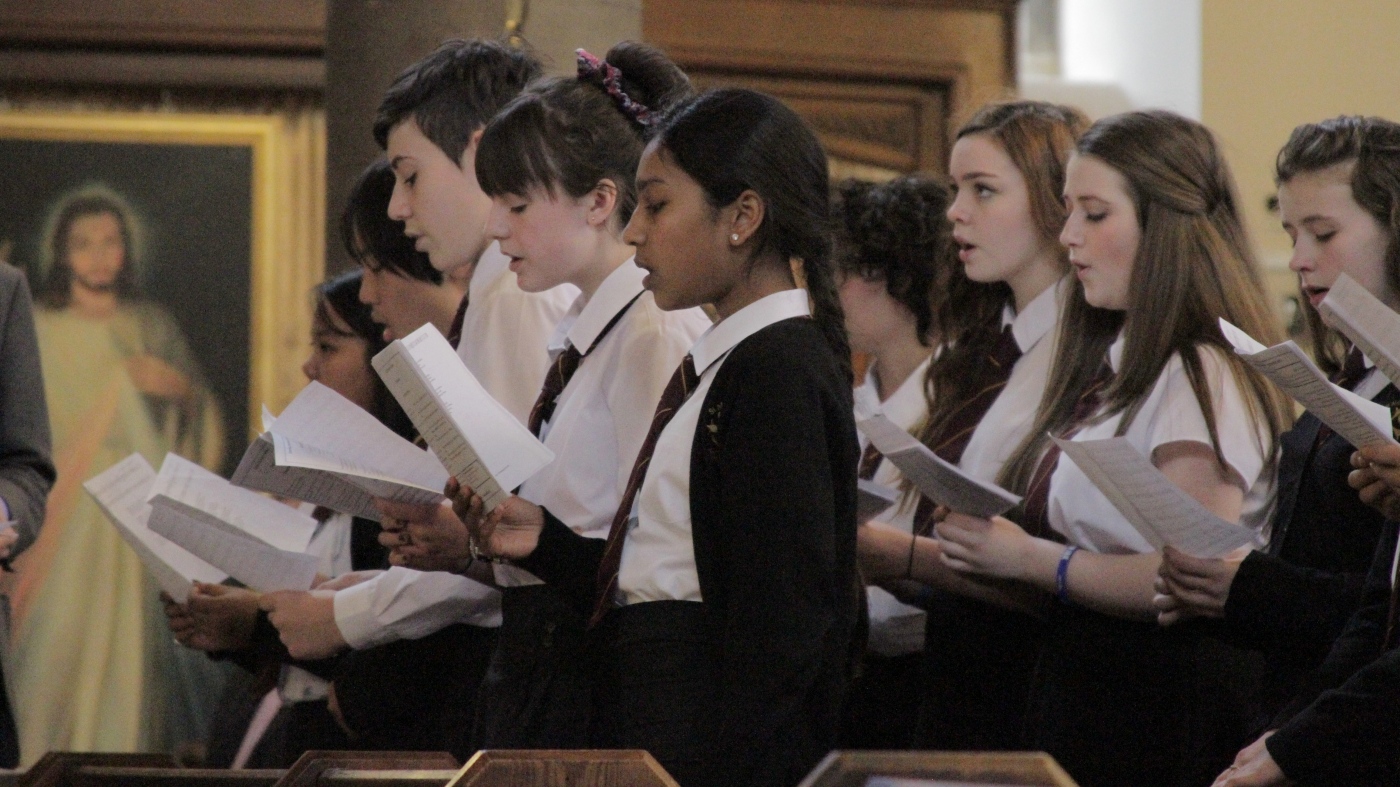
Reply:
x=1372, y=146
x=1038, y=137
x=1193, y=267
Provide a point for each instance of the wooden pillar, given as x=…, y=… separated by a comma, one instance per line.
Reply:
x=368, y=42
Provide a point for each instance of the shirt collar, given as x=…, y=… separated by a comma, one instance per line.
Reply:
x=1038, y=318
x=588, y=317
x=1115, y=352
x=489, y=265
x=724, y=335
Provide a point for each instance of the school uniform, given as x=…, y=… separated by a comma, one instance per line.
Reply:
x=1292, y=600
x=624, y=348
x=1123, y=701
x=723, y=637
x=883, y=705
x=978, y=657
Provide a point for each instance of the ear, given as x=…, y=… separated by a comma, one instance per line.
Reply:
x=749, y=212
x=601, y=202
x=469, y=152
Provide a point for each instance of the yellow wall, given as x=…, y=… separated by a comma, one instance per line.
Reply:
x=1268, y=65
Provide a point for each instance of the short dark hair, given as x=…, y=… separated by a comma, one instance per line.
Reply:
x=568, y=133
x=454, y=91
x=373, y=239
x=731, y=140
x=341, y=296
x=56, y=288
x=896, y=232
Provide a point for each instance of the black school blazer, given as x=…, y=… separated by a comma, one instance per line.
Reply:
x=772, y=503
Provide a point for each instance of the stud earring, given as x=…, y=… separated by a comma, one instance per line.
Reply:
x=734, y=237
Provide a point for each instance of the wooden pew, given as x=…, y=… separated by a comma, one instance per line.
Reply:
x=56, y=768
x=309, y=769
x=1005, y=769
x=108, y=776
x=351, y=777
x=558, y=768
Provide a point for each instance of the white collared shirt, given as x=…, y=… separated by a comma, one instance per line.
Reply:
x=895, y=627
x=330, y=542
x=1011, y=416
x=604, y=413
x=658, y=555
x=505, y=336
x=1080, y=512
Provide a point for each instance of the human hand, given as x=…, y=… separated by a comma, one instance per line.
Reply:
x=1377, y=478
x=347, y=580
x=426, y=538
x=995, y=547
x=305, y=620
x=213, y=618
x=1193, y=587
x=333, y=708
x=155, y=377
x=512, y=531
x=1253, y=767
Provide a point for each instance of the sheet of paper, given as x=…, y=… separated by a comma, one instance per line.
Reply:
x=1370, y=324
x=873, y=499
x=474, y=436
x=260, y=472
x=1160, y=510
x=256, y=564
x=269, y=521
x=942, y=482
x=1360, y=421
x=121, y=493
x=322, y=430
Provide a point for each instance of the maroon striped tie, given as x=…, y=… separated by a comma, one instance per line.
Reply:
x=1035, y=519
x=952, y=437
x=454, y=333
x=677, y=391
x=869, y=462
x=562, y=370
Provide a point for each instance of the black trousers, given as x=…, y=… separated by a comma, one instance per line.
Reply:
x=1120, y=702
x=536, y=692
x=882, y=707
x=9, y=734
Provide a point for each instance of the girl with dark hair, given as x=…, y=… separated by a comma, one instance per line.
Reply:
x=559, y=163
x=894, y=256
x=725, y=596
x=1154, y=234
x=998, y=322
x=1339, y=198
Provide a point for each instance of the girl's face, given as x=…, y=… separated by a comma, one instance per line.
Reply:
x=996, y=234
x=548, y=237
x=401, y=304
x=340, y=360
x=872, y=315
x=680, y=238
x=1333, y=235
x=1102, y=232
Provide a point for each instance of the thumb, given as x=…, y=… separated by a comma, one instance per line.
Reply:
x=268, y=601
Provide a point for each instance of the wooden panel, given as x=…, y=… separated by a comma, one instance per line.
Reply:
x=307, y=770
x=1003, y=769
x=165, y=70
x=53, y=769
x=882, y=81
x=550, y=768
x=99, y=776
x=226, y=25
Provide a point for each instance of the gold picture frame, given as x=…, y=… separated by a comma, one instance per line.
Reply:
x=286, y=215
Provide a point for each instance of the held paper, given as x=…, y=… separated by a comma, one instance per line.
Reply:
x=1361, y=422
x=873, y=499
x=266, y=520
x=477, y=439
x=1158, y=509
x=260, y=472
x=253, y=562
x=1370, y=324
x=121, y=491
x=942, y=482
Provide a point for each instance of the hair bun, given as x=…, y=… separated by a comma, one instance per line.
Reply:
x=648, y=76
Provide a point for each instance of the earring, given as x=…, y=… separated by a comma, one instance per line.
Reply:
x=734, y=237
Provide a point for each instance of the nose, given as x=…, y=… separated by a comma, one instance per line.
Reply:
x=1304, y=257
x=496, y=225
x=632, y=234
x=1071, y=237
x=957, y=209
x=309, y=367
x=399, y=209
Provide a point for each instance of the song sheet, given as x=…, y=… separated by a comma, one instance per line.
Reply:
x=942, y=482
x=260, y=472
x=1158, y=509
x=121, y=491
x=253, y=562
x=474, y=436
x=1360, y=421
x=269, y=521
x=873, y=499
x=322, y=430
x=1370, y=324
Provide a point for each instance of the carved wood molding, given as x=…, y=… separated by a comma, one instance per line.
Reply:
x=253, y=26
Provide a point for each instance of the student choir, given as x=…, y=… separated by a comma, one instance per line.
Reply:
x=688, y=576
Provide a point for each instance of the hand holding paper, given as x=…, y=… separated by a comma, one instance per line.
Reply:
x=942, y=482
x=475, y=437
x=1158, y=509
x=1360, y=421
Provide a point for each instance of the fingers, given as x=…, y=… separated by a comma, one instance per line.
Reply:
x=270, y=601
x=1384, y=454
x=403, y=511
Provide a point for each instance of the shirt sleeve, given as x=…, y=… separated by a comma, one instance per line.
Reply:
x=405, y=604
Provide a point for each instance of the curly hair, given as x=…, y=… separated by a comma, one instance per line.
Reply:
x=897, y=232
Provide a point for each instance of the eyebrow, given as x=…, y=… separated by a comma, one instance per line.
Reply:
x=394, y=162
x=645, y=182
x=976, y=175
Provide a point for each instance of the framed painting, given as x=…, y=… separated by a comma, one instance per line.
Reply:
x=165, y=229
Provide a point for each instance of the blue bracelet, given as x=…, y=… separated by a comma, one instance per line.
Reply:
x=1062, y=574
